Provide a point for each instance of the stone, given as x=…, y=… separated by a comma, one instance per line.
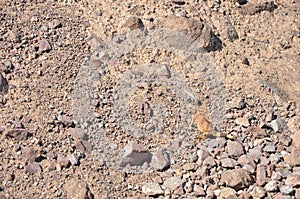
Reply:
x=189, y=167
x=33, y=168
x=228, y=163
x=78, y=134
x=255, y=153
x=226, y=192
x=296, y=138
x=63, y=161
x=202, y=155
x=278, y=125
x=84, y=145
x=209, y=162
x=237, y=178
x=242, y=121
x=178, y=2
x=44, y=46
x=293, y=180
x=294, y=158
x=173, y=183
x=237, y=103
x=286, y=189
x=152, y=189
x=160, y=160
x=246, y=159
x=258, y=132
x=3, y=85
x=65, y=120
x=18, y=134
x=73, y=159
x=258, y=192
x=77, y=189
x=297, y=193
x=28, y=155
x=199, y=190
x=271, y=186
x=269, y=149
x=234, y=148
x=261, y=175
x=134, y=23
x=294, y=124
x=135, y=155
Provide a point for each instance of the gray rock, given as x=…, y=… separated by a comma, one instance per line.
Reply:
x=44, y=46
x=3, y=85
x=234, y=148
x=286, y=189
x=237, y=178
x=255, y=153
x=78, y=134
x=228, y=163
x=173, y=183
x=202, y=154
x=160, y=160
x=33, y=168
x=209, y=162
x=271, y=186
x=258, y=192
x=278, y=125
x=269, y=149
x=73, y=159
x=261, y=175
x=135, y=155
x=152, y=189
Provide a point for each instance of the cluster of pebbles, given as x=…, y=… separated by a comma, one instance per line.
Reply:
x=84, y=117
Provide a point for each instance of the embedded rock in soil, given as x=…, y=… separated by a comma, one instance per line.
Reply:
x=33, y=168
x=18, y=134
x=160, y=160
x=294, y=158
x=173, y=183
x=3, y=85
x=234, y=148
x=237, y=178
x=135, y=155
x=78, y=189
x=152, y=189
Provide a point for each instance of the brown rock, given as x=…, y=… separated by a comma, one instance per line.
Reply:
x=28, y=155
x=135, y=155
x=18, y=134
x=293, y=180
x=134, y=23
x=63, y=161
x=152, y=189
x=246, y=159
x=237, y=178
x=3, y=85
x=65, y=120
x=77, y=189
x=294, y=158
x=160, y=160
x=84, y=146
x=173, y=183
x=296, y=138
x=78, y=134
x=33, y=168
x=242, y=121
x=261, y=175
x=234, y=148
x=258, y=132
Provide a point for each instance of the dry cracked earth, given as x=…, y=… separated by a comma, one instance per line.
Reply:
x=97, y=99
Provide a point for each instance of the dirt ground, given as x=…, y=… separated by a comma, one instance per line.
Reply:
x=69, y=69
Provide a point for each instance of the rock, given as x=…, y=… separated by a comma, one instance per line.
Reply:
x=269, y=149
x=78, y=134
x=286, y=189
x=94, y=43
x=202, y=155
x=73, y=160
x=194, y=29
x=278, y=125
x=65, y=120
x=63, y=161
x=209, y=162
x=199, y=190
x=28, y=155
x=152, y=189
x=228, y=163
x=160, y=160
x=294, y=158
x=237, y=178
x=246, y=159
x=135, y=155
x=255, y=153
x=77, y=189
x=18, y=134
x=225, y=193
x=3, y=85
x=253, y=8
x=134, y=23
x=258, y=132
x=242, y=121
x=189, y=167
x=44, y=46
x=84, y=145
x=33, y=168
x=294, y=124
x=271, y=186
x=296, y=138
x=234, y=148
x=173, y=183
x=54, y=24
x=178, y=2
x=261, y=175
x=297, y=194
x=237, y=103
x=293, y=180
x=258, y=192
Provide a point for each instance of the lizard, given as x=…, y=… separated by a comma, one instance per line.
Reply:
x=205, y=127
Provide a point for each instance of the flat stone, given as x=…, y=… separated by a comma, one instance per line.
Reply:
x=237, y=178
x=261, y=175
x=44, y=46
x=152, y=189
x=78, y=134
x=269, y=149
x=286, y=189
x=278, y=125
x=33, y=168
x=135, y=155
x=133, y=22
x=271, y=186
x=228, y=163
x=293, y=180
x=160, y=160
x=242, y=121
x=28, y=155
x=246, y=159
x=209, y=162
x=226, y=192
x=77, y=189
x=237, y=103
x=173, y=183
x=258, y=132
x=294, y=158
x=234, y=148
x=3, y=85
x=296, y=138
x=258, y=192
x=18, y=134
